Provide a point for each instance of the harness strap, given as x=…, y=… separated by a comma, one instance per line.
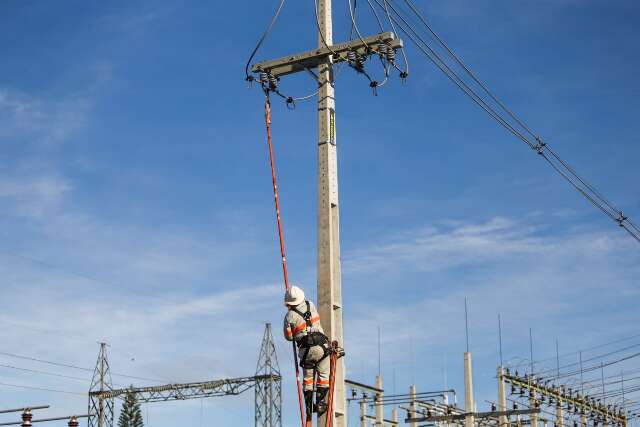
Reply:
x=306, y=315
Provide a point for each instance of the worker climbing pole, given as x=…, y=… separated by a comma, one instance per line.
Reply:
x=285, y=273
x=310, y=345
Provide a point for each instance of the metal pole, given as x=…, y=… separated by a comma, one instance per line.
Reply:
x=101, y=414
x=329, y=272
x=363, y=413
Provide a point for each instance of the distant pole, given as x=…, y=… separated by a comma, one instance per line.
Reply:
x=581, y=378
x=379, y=353
x=500, y=338
x=466, y=322
x=602, y=378
x=531, y=351
x=557, y=359
x=622, y=387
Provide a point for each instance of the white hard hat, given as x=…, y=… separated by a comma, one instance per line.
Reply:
x=293, y=296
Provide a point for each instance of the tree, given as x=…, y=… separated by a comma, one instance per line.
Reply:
x=130, y=414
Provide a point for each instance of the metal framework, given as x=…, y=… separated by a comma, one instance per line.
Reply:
x=197, y=390
x=268, y=387
x=101, y=410
x=267, y=382
x=540, y=392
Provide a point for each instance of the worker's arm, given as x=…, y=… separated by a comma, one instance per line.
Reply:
x=288, y=335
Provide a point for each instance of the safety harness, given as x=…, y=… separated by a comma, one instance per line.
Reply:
x=312, y=339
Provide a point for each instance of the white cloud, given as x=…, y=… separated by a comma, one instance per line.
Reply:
x=32, y=196
x=29, y=119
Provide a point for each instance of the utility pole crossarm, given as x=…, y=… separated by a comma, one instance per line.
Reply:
x=493, y=414
x=338, y=53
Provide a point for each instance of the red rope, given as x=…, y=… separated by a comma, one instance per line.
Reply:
x=267, y=117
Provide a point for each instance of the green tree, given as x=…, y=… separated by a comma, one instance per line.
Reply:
x=130, y=414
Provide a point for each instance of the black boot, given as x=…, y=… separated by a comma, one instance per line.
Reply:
x=321, y=399
x=308, y=402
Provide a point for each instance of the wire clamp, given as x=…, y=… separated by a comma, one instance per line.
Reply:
x=621, y=219
x=539, y=147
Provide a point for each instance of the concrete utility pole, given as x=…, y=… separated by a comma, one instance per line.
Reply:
x=329, y=278
x=469, y=406
x=329, y=274
x=502, y=398
x=413, y=409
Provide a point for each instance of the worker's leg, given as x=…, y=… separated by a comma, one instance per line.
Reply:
x=309, y=375
x=322, y=384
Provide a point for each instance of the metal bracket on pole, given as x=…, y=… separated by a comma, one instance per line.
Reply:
x=338, y=53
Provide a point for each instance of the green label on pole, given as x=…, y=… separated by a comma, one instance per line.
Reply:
x=332, y=126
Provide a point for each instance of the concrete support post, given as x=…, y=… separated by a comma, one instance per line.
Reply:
x=503, y=421
x=533, y=418
x=329, y=272
x=412, y=405
x=469, y=405
x=583, y=420
x=378, y=403
x=559, y=417
x=394, y=416
x=363, y=413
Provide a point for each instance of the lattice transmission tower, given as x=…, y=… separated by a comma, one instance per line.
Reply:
x=268, y=391
x=101, y=410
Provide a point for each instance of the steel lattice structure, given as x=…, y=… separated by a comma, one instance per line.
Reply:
x=268, y=392
x=198, y=390
x=267, y=383
x=101, y=409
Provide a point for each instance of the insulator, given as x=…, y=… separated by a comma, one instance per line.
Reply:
x=382, y=50
x=360, y=60
x=264, y=77
x=507, y=370
x=273, y=82
x=513, y=389
x=351, y=57
x=517, y=373
x=391, y=54
x=521, y=391
x=515, y=405
x=493, y=407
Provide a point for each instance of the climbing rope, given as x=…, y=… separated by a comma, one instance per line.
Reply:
x=267, y=119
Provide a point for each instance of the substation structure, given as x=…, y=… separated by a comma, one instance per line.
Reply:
x=266, y=382
x=562, y=400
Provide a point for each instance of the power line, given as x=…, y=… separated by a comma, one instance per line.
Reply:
x=559, y=165
x=249, y=78
x=27, y=387
x=35, y=371
x=64, y=365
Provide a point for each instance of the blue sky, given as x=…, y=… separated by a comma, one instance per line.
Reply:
x=136, y=207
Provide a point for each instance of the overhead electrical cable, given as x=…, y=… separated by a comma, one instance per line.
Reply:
x=405, y=72
x=355, y=25
x=262, y=38
x=27, y=387
x=559, y=165
x=64, y=365
x=35, y=371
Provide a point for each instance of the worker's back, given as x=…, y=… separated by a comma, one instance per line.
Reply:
x=300, y=326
